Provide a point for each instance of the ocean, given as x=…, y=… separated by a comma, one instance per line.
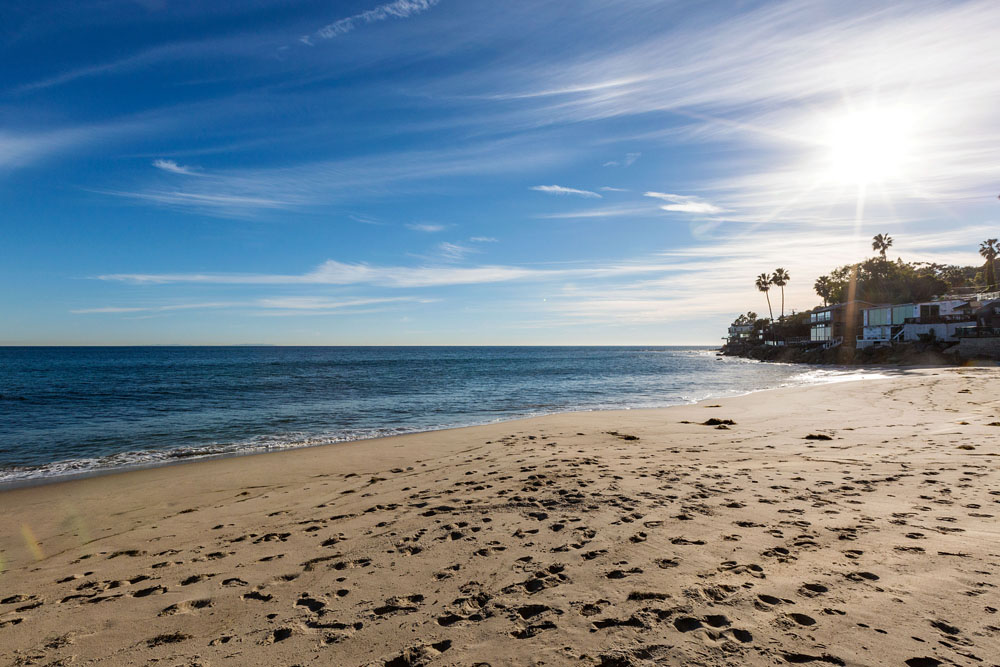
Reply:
x=76, y=410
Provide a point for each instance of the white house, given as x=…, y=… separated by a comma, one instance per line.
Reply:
x=885, y=325
x=882, y=324
x=740, y=332
x=938, y=320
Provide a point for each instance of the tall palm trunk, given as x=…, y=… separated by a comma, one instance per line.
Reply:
x=769, y=311
x=782, y=303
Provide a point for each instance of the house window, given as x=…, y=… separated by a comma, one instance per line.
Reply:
x=820, y=333
x=900, y=313
x=879, y=316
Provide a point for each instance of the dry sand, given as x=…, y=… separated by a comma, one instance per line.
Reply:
x=605, y=538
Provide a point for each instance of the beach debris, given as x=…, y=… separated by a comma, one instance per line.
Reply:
x=713, y=421
x=170, y=638
x=817, y=436
x=622, y=436
x=797, y=658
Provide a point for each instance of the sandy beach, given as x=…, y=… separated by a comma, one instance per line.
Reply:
x=846, y=524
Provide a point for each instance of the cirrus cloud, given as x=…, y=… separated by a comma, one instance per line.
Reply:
x=561, y=190
x=685, y=203
x=174, y=168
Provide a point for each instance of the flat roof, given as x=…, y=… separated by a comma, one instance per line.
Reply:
x=835, y=306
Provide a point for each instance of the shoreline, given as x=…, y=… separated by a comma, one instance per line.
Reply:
x=41, y=480
x=847, y=523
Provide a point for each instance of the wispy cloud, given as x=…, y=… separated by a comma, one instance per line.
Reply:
x=455, y=251
x=323, y=303
x=239, y=192
x=332, y=272
x=212, y=202
x=284, y=303
x=685, y=203
x=622, y=210
x=400, y=9
x=560, y=190
x=483, y=239
x=425, y=227
x=19, y=149
x=608, y=188
x=157, y=309
x=626, y=161
x=23, y=148
x=238, y=44
x=367, y=220
x=174, y=168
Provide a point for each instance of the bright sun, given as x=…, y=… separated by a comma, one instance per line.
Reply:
x=870, y=146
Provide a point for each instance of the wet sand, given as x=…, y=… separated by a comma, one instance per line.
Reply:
x=846, y=524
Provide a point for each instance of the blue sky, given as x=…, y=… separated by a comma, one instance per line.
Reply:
x=445, y=172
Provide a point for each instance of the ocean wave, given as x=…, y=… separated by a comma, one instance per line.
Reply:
x=154, y=457
x=826, y=376
x=696, y=377
x=148, y=458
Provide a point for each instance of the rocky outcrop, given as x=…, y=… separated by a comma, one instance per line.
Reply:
x=905, y=354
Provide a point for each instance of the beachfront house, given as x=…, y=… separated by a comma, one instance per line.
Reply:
x=833, y=324
x=881, y=325
x=988, y=315
x=982, y=340
x=938, y=320
x=741, y=333
x=909, y=322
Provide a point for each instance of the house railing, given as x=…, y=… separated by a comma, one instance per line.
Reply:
x=798, y=340
x=977, y=332
x=938, y=319
x=833, y=342
x=969, y=293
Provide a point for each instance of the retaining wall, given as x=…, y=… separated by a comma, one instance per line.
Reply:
x=979, y=348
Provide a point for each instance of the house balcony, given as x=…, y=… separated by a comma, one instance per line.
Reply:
x=939, y=319
x=977, y=332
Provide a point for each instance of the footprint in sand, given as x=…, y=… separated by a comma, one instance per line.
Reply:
x=153, y=590
x=802, y=619
x=184, y=607
x=257, y=595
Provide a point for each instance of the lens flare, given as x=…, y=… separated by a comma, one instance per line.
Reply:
x=32, y=542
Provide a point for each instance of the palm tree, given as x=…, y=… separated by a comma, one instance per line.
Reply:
x=881, y=243
x=780, y=278
x=764, y=285
x=989, y=249
x=824, y=288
